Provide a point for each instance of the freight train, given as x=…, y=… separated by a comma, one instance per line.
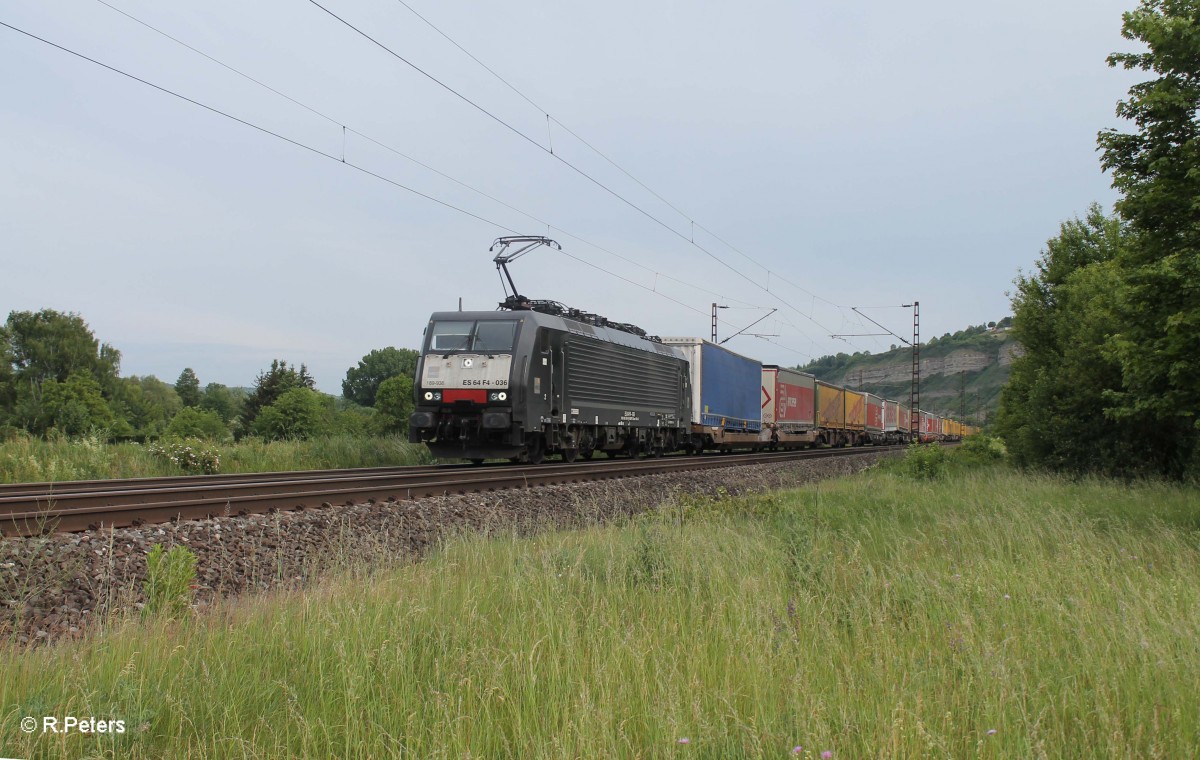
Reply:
x=539, y=379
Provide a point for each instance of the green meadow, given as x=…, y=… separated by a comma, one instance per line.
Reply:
x=25, y=459
x=972, y=612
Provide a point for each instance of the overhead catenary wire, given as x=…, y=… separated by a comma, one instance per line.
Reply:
x=565, y=162
x=362, y=169
x=693, y=223
x=264, y=130
x=345, y=128
x=906, y=341
x=306, y=147
x=392, y=149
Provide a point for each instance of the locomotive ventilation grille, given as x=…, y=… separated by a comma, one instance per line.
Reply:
x=607, y=373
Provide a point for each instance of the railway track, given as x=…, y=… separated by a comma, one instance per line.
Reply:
x=36, y=508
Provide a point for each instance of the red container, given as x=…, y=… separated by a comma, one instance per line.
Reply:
x=874, y=413
x=788, y=398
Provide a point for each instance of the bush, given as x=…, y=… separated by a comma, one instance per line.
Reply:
x=191, y=422
x=925, y=462
x=189, y=454
x=298, y=414
x=170, y=580
x=980, y=449
x=394, y=404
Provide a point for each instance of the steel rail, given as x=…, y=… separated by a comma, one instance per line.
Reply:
x=58, y=488
x=34, y=514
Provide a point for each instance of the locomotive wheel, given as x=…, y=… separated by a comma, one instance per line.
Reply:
x=586, y=454
x=570, y=455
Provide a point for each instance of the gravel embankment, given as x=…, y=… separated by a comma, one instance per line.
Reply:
x=59, y=585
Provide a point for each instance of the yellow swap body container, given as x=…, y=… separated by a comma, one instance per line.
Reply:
x=856, y=410
x=831, y=406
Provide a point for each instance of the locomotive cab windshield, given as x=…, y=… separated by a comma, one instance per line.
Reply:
x=477, y=336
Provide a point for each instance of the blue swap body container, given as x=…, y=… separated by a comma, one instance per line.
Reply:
x=726, y=386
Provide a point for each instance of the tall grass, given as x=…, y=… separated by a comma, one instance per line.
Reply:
x=989, y=614
x=28, y=459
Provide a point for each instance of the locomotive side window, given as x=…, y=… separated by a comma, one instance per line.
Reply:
x=450, y=336
x=487, y=336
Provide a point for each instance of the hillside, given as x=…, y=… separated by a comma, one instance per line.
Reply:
x=961, y=374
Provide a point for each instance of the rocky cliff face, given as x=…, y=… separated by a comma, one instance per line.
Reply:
x=895, y=373
x=901, y=372
x=1008, y=352
x=961, y=375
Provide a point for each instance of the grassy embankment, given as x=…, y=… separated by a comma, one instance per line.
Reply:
x=989, y=614
x=28, y=459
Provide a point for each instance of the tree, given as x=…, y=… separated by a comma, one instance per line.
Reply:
x=1053, y=409
x=73, y=407
x=394, y=403
x=1157, y=169
x=146, y=403
x=8, y=387
x=50, y=345
x=188, y=387
x=362, y=382
x=297, y=414
x=225, y=401
x=191, y=422
x=272, y=384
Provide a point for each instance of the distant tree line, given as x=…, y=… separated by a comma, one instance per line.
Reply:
x=58, y=380
x=1110, y=316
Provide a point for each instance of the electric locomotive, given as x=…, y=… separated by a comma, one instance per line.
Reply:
x=538, y=378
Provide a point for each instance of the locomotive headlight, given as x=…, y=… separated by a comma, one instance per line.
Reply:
x=502, y=396
x=429, y=395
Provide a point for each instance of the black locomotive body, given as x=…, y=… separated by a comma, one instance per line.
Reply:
x=522, y=384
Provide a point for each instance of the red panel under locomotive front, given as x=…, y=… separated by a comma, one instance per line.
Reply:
x=449, y=396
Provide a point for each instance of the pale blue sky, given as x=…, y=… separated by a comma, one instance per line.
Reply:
x=871, y=155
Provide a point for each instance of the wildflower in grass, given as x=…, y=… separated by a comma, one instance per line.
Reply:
x=1006, y=596
x=827, y=754
x=991, y=732
x=684, y=740
x=797, y=749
